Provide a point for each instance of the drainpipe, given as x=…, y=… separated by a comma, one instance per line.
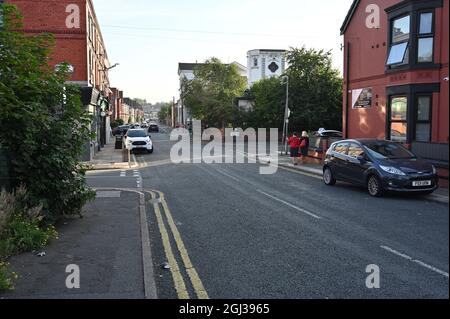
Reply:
x=347, y=90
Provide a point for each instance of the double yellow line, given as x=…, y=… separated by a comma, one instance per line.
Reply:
x=177, y=276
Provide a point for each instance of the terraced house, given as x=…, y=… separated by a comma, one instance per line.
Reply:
x=78, y=42
x=396, y=75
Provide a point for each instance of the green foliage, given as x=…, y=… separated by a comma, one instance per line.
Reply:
x=22, y=228
x=130, y=120
x=270, y=100
x=117, y=123
x=315, y=90
x=165, y=112
x=315, y=94
x=6, y=277
x=210, y=96
x=44, y=125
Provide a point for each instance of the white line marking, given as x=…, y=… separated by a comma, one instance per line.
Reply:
x=396, y=252
x=230, y=176
x=419, y=262
x=290, y=205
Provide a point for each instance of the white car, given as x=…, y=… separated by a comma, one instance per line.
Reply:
x=137, y=139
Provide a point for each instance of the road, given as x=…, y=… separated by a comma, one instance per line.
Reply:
x=229, y=232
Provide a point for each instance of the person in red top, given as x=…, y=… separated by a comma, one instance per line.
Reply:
x=294, y=144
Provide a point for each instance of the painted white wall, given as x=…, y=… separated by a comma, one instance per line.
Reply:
x=258, y=62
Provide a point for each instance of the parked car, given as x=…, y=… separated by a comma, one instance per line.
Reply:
x=380, y=166
x=153, y=127
x=138, y=139
x=121, y=130
x=327, y=133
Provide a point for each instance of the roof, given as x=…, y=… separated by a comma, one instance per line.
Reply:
x=188, y=66
x=349, y=16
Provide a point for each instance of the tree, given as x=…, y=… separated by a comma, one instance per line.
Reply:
x=315, y=94
x=269, y=97
x=165, y=112
x=210, y=96
x=315, y=90
x=44, y=125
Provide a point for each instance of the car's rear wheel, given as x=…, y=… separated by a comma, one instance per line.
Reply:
x=328, y=178
x=374, y=186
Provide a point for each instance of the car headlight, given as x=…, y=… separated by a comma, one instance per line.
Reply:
x=434, y=169
x=392, y=170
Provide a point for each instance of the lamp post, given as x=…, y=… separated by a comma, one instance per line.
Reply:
x=286, y=114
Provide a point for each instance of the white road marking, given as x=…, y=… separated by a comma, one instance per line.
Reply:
x=419, y=262
x=290, y=205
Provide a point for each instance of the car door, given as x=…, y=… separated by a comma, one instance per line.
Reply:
x=354, y=167
x=338, y=158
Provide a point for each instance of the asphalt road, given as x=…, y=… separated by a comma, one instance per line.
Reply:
x=229, y=232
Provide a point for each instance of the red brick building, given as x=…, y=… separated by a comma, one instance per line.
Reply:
x=396, y=74
x=79, y=42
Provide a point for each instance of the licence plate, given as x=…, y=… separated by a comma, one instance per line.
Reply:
x=421, y=183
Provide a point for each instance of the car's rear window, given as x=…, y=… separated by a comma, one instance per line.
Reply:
x=388, y=150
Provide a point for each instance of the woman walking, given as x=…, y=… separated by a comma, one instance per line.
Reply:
x=294, y=143
x=304, y=146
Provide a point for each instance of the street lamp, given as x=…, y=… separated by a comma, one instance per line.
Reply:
x=285, y=80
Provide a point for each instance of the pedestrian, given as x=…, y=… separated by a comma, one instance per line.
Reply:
x=304, y=146
x=294, y=144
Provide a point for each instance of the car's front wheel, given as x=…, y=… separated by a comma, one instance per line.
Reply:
x=150, y=151
x=374, y=186
x=328, y=178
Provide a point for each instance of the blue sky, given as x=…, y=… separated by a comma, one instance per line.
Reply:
x=149, y=38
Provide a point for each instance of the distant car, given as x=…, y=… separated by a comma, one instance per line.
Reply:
x=121, y=130
x=328, y=133
x=144, y=125
x=138, y=139
x=380, y=166
x=153, y=127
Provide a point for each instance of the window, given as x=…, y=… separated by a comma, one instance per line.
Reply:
x=255, y=61
x=399, y=50
x=383, y=150
x=354, y=150
x=423, y=119
x=411, y=35
x=425, y=41
x=398, y=120
x=400, y=29
x=398, y=54
x=340, y=148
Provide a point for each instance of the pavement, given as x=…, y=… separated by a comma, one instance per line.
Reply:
x=108, y=245
x=109, y=158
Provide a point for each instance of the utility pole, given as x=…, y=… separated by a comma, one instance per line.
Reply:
x=173, y=112
x=286, y=116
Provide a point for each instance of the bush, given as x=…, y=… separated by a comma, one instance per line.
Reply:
x=117, y=123
x=54, y=125
x=6, y=277
x=22, y=227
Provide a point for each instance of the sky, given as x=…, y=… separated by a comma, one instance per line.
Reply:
x=150, y=37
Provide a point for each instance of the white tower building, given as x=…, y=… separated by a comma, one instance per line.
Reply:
x=263, y=63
